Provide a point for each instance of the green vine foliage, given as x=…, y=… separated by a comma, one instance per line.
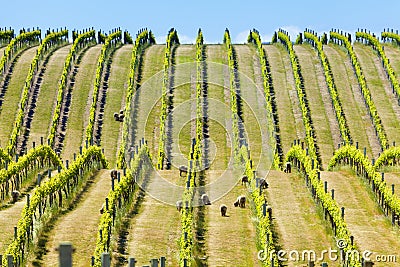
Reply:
x=142, y=39
x=389, y=157
x=83, y=40
x=120, y=199
x=186, y=241
x=22, y=40
x=310, y=138
x=172, y=39
x=6, y=36
x=312, y=38
x=273, y=121
x=51, y=39
x=373, y=112
x=234, y=97
x=350, y=155
x=376, y=45
x=390, y=35
x=45, y=194
x=110, y=41
x=305, y=165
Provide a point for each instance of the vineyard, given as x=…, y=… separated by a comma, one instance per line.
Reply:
x=268, y=153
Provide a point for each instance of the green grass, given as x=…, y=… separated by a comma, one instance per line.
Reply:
x=283, y=83
x=42, y=118
x=80, y=225
x=12, y=97
x=313, y=84
x=371, y=229
x=230, y=241
x=254, y=112
x=155, y=230
x=291, y=201
x=393, y=54
x=371, y=65
x=184, y=90
x=115, y=101
x=220, y=150
x=148, y=108
x=355, y=111
x=80, y=103
x=2, y=51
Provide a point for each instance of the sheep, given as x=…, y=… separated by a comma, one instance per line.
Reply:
x=113, y=174
x=245, y=180
x=15, y=195
x=182, y=170
x=121, y=117
x=223, y=209
x=116, y=116
x=103, y=208
x=240, y=201
x=205, y=199
x=179, y=205
x=288, y=168
x=263, y=183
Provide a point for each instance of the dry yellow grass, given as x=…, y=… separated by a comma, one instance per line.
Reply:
x=359, y=123
x=42, y=118
x=10, y=105
x=116, y=94
x=155, y=231
x=80, y=103
x=322, y=115
x=296, y=217
x=371, y=229
x=80, y=225
x=381, y=91
x=290, y=122
x=230, y=241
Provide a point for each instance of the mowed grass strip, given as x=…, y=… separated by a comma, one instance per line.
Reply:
x=80, y=103
x=392, y=52
x=8, y=219
x=371, y=229
x=80, y=225
x=359, y=122
x=231, y=240
x=218, y=111
x=12, y=97
x=297, y=220
x=184, y=92
x=47, y=97
x=147, y=100
x=393, y=178
x=283, y=82
x=2, y=49
x=254, y=111
x=156, y=229
x=308, y=60
x=371, y=65
x=115, y=101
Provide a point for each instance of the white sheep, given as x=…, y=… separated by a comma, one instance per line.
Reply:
x=240, y=201
x=205, y=199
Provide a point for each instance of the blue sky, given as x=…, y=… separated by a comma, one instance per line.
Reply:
x=212, y=16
